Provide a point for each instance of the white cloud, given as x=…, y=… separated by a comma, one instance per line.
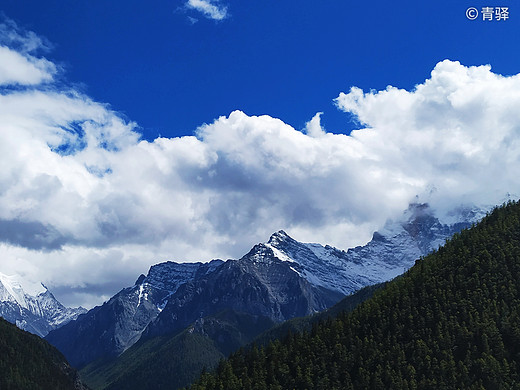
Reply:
x=458, y=131
x=86, y=205
x=210, y=9
x=21, y=40
x=16, y=68
x=313, y=127
x=18, y=64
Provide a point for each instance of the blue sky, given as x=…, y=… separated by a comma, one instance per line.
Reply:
x=170, y=68
x=91, y=196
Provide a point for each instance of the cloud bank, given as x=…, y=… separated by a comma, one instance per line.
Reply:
x=86, y=205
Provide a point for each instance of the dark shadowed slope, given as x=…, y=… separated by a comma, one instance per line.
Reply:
x=29, y=363
x=176, y=360
x=173, y=361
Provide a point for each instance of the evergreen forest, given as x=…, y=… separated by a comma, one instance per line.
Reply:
x=28, y=362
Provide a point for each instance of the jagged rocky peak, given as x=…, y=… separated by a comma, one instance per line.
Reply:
x=163, y=280
x=456, y=214
x=378, y=237
x=108, y=330
x=140, y=279
x=170, y=275
x=274, y=249
x=279, y=237
x=419, y=219
x=259, y=253
x=417, y=211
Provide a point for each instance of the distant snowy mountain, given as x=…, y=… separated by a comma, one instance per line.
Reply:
x=32, y=307
x=279, y=280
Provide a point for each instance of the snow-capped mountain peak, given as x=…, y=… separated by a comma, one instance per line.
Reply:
x=391, y=251
x=31, y=306
x=279, y=237
x=14, y=291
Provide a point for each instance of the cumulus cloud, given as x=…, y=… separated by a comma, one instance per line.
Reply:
x=86, y=205
x=210, y=9
x=458, y=131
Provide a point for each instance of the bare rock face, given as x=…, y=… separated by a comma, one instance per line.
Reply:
x=259, y=283
x=109, y=329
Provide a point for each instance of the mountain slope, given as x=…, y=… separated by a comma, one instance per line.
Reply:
x=108, y=330
x=452, y=321
x=176, y=360
x=36, y=311
x=257, y=284
x=301, y=324
x=29, y=363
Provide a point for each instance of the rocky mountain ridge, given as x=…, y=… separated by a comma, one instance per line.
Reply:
x=279, y=279
x=111, y=328
x=389, y=253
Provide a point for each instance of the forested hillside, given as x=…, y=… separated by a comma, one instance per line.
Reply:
x=452, y=321
x=176, y=360
x=29, y=363
x=173, y=361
